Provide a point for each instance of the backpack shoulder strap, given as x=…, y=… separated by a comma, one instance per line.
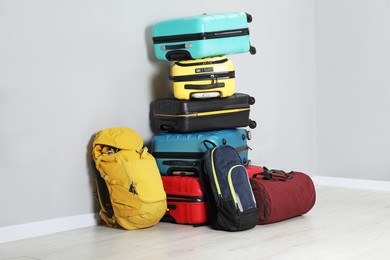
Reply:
x=103, y=195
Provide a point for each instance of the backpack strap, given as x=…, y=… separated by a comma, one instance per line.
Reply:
x=205, y=183
x=103, y=195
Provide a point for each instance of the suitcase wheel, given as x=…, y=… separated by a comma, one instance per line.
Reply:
x=252, y=50
x=248, y=17
x=251, y=100
x=252, y=124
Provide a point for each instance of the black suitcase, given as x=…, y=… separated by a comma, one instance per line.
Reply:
x=184, y=116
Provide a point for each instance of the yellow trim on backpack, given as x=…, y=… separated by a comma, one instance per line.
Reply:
x=232, y=191
x=214, y=172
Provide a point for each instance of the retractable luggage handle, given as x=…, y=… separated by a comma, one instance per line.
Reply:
x=205, y=86
x=176, y=46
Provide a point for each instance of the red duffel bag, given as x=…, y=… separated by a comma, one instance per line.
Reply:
x=282, y=195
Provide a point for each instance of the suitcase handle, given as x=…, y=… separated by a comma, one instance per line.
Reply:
x=205, y=142
x=176, y=46
x=204, y=86
x=175, y=55
x=166, y=127
x=177, y=171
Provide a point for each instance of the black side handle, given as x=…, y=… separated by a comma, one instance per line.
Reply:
x=176, y=46
x=205, y=142
x=166, y=127
x=178, y=55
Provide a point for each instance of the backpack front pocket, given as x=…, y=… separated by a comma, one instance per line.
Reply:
x=240, y=188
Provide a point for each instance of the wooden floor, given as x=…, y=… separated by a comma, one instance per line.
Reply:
x=344, y=224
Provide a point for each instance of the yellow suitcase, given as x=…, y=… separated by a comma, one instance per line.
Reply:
x=202, y=78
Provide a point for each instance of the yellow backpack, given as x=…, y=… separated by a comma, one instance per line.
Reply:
x=132, y=180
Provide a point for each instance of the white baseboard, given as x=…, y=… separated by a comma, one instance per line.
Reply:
x=352, y=183
x=34, y=229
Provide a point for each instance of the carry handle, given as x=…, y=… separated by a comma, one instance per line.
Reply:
x=174, y=55
x=204, y=86
x=273, y=175
x=171, y=207
x=166, y=127
x=205, y=142
x=176, y=46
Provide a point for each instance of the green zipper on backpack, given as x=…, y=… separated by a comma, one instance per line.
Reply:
x=232, y=191
x=214, y=173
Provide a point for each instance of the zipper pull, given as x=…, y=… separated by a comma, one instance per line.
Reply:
x=143, y=152
x=132, y=188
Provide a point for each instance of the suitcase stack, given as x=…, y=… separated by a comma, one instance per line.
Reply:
x=205, y=109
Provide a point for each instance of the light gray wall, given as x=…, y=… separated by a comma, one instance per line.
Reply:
x=71, y=68
x=353, y=88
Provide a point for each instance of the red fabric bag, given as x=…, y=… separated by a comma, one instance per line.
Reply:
x=253, y=169
x=281, y=195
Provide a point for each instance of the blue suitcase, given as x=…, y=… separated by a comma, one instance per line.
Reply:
x=182, y=153
x=202, y=36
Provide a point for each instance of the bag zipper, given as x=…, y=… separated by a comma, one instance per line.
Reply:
x=178, y=63
x=201, y=36
x=181, y=163
x=233, y=191
x=185, y=198
x=180, y=155
x=219, y=193
x=205, y=76
x=190, y=155
x=231, y=187
x=209, y=113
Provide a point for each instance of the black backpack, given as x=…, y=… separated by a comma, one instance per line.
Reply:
x=229, y=190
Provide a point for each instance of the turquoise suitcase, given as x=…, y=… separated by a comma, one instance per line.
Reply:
x=202, y=36
x=182, y=153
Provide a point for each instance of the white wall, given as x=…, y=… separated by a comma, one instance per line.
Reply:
x=353, y=88
x=71, y=68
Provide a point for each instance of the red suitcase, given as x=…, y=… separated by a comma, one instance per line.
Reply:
x=281, y=195
x=186, y=200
